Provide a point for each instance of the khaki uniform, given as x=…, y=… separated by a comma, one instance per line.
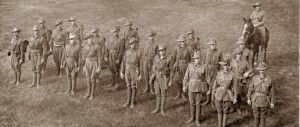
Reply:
x=72, y=59
x=131, y=33
x=261, y=94
x=17, y=51
x=46, y=34
x=161, y=70
x=194, y=80
x=92, y=61
x=149, y=50
x=78, y=31
x=37, y=50
x=245, y=54
x=100, y=41
x=193, y=43
x=115, y=51
x=57, y=44
x=258, y=19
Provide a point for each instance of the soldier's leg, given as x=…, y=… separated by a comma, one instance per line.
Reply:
x=226, y=108
x=198, y=98
x=163, y=101
x=69, y=85
x=74, y=81
x=133, y=97
x=15, y=78
x=178, y=89
x=158, y=98
x=219, y=107
x=13, y=63
x=18, y=77
x=192, y=107
x=39, y=76
x=44, y=64
x=88, y=84
x=92, y=88
x=129, y=91
x=34, y=77
x=263, y=115
x=256, y=114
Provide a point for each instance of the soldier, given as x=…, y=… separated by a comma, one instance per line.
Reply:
x=130, y=68
x=16, y=51
x=223, y=94
x=37, y=53
x=91, y=65
x=71, y=61
x=129, y=33
x=160, y=78
x=57, y=45
x=241, y=69
x=149, y=50
x=245, y=51
x=181, y=59
x=258, y=19
x=100, y=41
x=192, y=41
x=46, y=34
x=114, y=53
x=211, y=57
x=195, y=81
x=76, y=29
x=261, y=95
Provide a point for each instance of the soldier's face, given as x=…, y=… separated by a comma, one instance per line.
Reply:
x=73, y=22
x=132, y=45
x=238, y=56
x=262, y=73
x=35, y=32
x=225, y=67
x=128, y=27
x=242, y=46
x=42, y=24
x=257, y=8
x=162, y=52
x=115, y=33
x=150, y=38
x=191, y=35
x=71, y=41
x=16, y=34
x=182, y=43
x=90, y=41
x=95, y=33
x=212, y=46
x=197, y=61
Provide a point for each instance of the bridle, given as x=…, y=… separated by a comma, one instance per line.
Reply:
x=249, y=34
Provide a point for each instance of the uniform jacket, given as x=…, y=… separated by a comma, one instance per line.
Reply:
x=16, y=46
x=258, y=17
x=194, y=78
x=149, y=50
x=38, y=44
x=212, y=57
x=245, y=55
x=58, y=38
x=161, y=68
x=240, y=67
x=100, y=41
x=223, y=86
x=73, y=52
x=193, y=43
x=115, y=46
x=182, y=54
x=131, y=33
x=131, y=61
x=92, y=52
x=77, y=30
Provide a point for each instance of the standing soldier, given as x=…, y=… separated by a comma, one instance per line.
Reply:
x=149, y=51
x=181, y=58
x=129, y=33
x=100, y=41
x=131, y=68
x=258, y=19
x=245, y=51
x=91, y=65
x=46, y=34
x=161, y=79
x=211, y=57
x=222, y=93
x=57, y=45
x=261, y=95
x=76, y=30
x=192, y=41
x=114, y=53
x=71, y=61
x=37, y=52
x=17, y=53
x=195, y=81
x=241, y=69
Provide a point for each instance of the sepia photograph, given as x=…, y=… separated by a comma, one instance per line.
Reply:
x=149, y=63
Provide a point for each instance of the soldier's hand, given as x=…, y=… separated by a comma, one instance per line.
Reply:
x=234, y=101
x=117, y=61
x=50, y=50
x=272, y=105
x=170, y=83
x=122, y=75
x=208, y=92
x=105, y=59
x=184, y=89
x=21, y=61
x=249, y=102
x=61, y=66
x=139, y=78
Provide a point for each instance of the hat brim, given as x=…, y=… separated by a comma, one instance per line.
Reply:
x=164, y=49
x=114, y=31
x=211, y=43
x=151, y=35
x=56, y=24
x=239, y=42
x=127, y=24
x=195, y=57
x=223, y=63
x=190, y=32
x=180, y=40
x=18, y=31
x=256, y=5
x=71, y=20
x=261, y=69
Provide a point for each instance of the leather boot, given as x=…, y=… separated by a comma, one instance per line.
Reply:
x=117, y=79
x=192, y=113
x=178, y=92
x=34, y=75
x=15, y=79
x=158, y=100
x=88, y=92
x=18, y=78
x=262, y=120
x=38, y=83
x=198, y=111
x=73, y=86
x=220, y=119
x=133, y=98
x=113, y=80
x=69, y=86
x=146, y=85
x=183, y=95
x=162, y=107
x=128, y=97
x=58, y=70
x=152, y=91
x=92, y=91
x=224, y=124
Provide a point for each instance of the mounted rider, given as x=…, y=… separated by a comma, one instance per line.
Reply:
x=258, y=19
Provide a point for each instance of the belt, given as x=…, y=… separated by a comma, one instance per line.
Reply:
x=57, y=45
x=222, y=87
x=35, y=50
x=195, y=80
x=92, y=58
x=260, y=94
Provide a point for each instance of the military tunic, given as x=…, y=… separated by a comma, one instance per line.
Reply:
x=78, y=31
x=131, y=67
x=149, y=50
x=261, y=94
x=223, y=91
x=72, y=59
x=17, y=50
x=161, y=69
x=194, y=44
x=37, y=49
x=115, y=51
x=57, y=44
x=131, y=33
x=258, y=19
x=92, y=60
x=100, y=41
x=245, y=54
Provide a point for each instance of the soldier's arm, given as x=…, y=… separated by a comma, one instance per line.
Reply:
x=123, y=63
x=215, y=86
x=121, y=49
x=44, y=47
x=51, y=43
x=250, y=89
x=63, y=57
x=137, y=38
x=272, y=93
x=22, y=48
x=79, y=57
x=99, y=51
x=186, y=78
x=263, y=19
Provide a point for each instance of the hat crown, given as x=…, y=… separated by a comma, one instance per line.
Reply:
x=161, y=47
x=181, y=38
x=128, y=22
x=262, y=66
x=72, y=18
x=151, y=33
x=116, y=28
x=57, y=22
x=212, y=41
x=95, y=29
x=72, y=36
x=257, y=3
x=196, y=55
x=15, y=29
x=35, y=27
x=41, y=20
x=191, y=31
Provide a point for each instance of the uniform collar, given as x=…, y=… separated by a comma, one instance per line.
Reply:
x=163, y=57
x=213, y=49
x=16, y=38
x=35, y=36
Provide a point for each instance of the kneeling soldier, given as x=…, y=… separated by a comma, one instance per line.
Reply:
x=37, y=53
x=91, y=65
x=161, y=79
x=131, y=68
x=222, y=93
x=195, y=81
x=71, y=60
x=261, y=95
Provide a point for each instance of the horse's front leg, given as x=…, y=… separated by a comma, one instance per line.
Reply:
x=265, y=55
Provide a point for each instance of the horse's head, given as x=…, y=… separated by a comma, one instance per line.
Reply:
x=248, y=28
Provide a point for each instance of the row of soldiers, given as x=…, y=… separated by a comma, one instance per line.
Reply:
x=206, y=76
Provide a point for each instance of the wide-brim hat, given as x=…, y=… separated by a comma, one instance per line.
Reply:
x=57, y=22
x=94, y=30
x=196, y=55
x=88, y=36
x=161, y=48
x=41, y=20
x=128, y=23
x=35, y=28
x=181, y=38
x=72, y=19
x=115, y=29
x=151, y=33
x=72, y=36
x=262, y=66
x=258, y=3
x=132, y=40
x=191, y=31
x=241, y=41
x=16, y=29
x=225, y=62
x=212, y=41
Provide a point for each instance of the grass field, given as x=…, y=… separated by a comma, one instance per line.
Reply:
x=222, y=19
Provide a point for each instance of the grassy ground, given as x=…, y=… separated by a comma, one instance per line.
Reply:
x=48, y=106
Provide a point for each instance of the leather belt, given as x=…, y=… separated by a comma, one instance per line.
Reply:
x=260, y=94
x=35, y=50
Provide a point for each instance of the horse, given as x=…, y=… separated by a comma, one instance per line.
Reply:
x=254, y=41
